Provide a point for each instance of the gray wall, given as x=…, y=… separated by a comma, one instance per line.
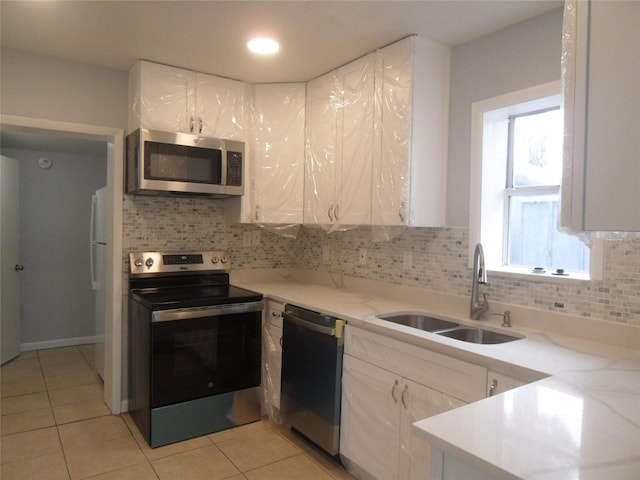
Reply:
x=521, y=56
x=44, y=87
x=57, y=301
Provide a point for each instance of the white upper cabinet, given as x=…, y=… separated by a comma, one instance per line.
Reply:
x=161, y=97
x=274, y=193
x=321, y=149
x=221, y=108
x=601, y=82
x=176, y=100
x=278, y=168
x=410, y=154
x=339, y=153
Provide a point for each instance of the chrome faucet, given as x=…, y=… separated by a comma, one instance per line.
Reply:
x=478, y=306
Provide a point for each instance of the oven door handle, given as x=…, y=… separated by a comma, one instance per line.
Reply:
x=209, y=311
x=310, y=325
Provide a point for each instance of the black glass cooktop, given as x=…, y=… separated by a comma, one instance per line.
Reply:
x=193, y=296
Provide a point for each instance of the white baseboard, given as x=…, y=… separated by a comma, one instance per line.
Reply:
x=60, y=342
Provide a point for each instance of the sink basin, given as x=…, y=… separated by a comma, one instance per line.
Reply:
x=478, y=335
x=421, y=322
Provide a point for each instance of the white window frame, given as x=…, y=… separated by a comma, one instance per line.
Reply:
x=489, y=134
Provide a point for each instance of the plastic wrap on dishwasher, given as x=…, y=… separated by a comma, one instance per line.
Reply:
x=278, y=122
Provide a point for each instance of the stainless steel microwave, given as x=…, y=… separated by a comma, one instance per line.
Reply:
x=166, y=163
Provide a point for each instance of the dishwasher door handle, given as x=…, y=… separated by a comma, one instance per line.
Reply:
x=310, y=325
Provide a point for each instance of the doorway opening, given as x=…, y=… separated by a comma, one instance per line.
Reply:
x=110, y=143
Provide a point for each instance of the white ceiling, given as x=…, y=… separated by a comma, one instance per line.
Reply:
x=210, y=36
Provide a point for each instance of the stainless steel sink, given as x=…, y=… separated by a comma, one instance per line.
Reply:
x=478, y=335
x=419, y=321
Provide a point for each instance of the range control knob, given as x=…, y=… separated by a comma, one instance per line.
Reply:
x=215, y=259
x=138, y=262
x=224, y=259
x=149, y=262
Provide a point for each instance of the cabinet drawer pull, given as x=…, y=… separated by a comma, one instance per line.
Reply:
x=492, y=388
x=335, y=212
x=393, y=391
x=330, y=213
x=193, y=125
x=200, y=125
x=404, y=395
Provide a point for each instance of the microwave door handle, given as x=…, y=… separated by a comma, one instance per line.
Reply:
x=223, y=173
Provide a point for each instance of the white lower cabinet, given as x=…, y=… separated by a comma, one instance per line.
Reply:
x=370, y=424
x=385, y=391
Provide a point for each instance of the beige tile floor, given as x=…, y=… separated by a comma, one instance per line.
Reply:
x=54, y=425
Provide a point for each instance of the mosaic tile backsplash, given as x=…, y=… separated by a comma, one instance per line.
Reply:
x=438, y=257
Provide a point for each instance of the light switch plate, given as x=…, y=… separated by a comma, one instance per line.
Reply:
x=362, y=256
x=255, y=237
x=326, y=254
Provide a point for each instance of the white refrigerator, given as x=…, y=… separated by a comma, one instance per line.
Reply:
x=98, y=250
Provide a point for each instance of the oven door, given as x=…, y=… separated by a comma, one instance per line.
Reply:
x=201, y=352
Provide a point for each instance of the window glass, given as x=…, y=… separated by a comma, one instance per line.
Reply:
x=534, y=239
x=534, y=174
x=537, y=148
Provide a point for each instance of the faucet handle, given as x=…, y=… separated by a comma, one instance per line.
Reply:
x=506, y=318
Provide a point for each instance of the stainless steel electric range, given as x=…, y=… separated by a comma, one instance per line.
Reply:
x=194, y=346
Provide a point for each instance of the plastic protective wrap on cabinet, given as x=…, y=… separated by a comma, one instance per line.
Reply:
x=176, y=100
x=278, y=120
x=339, y=147
x=271, y=354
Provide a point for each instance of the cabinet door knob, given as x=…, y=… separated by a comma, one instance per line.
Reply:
x=492, y=388
x=393, y=391
x=404, y=395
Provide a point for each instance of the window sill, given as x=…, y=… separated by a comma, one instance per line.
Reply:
x=525, y=273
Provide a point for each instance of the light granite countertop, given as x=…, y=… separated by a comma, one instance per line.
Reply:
x=579, y=418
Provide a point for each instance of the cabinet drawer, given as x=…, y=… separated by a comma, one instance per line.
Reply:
x=460, y=379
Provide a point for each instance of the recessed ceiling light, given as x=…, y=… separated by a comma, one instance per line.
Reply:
x=263, y=46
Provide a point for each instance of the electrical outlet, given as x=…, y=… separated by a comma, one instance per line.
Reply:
x=255, y=237
x=326, y=254
x=362, y=256
x=407, y=260
x=246, y=239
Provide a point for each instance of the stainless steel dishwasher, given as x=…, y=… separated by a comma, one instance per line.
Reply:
x=312, y=348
